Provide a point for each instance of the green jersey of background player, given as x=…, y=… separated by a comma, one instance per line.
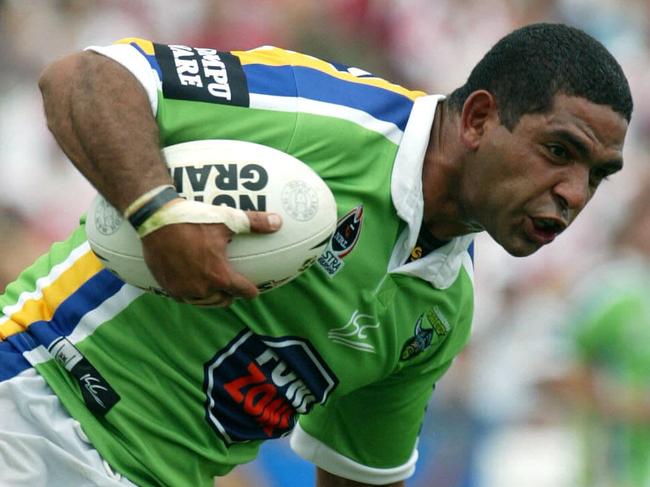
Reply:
x=353, y=346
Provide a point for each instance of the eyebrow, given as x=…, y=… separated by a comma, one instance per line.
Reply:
x=573, y=140
x=583, y=150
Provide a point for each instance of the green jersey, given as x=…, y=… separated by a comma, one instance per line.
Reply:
x=612, y=336
x=345, y=356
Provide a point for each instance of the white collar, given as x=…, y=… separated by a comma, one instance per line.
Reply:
x=441, y=266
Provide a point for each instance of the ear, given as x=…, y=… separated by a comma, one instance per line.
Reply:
x=479, y=113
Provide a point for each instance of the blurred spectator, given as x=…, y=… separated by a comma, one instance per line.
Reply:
x=608, y=383
x=20, y=242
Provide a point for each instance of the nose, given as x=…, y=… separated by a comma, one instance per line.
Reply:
x=572, y=190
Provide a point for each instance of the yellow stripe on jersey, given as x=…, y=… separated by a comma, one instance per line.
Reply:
x=274, y=56
x=145, y=45
x=43, y=307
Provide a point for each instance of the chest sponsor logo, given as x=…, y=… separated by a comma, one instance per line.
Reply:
x=433, y=321
x=202, y=74
x=355, y=333
x=257, y=386
x=346, y=235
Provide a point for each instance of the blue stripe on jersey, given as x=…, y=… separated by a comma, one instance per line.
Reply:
x=344, y=68
x=12, y=361
x=378, y=102
x=151, y=58
x=89, y=296
x=94, y=292
x=270, y=80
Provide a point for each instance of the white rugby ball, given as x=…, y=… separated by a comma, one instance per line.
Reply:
x=240, y=174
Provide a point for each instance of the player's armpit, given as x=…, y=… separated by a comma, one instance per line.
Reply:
x=326, y=479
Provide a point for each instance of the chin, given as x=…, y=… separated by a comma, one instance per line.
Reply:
x=520, y=252
x=519, y=248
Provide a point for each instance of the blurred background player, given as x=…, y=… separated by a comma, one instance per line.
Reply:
x=607, y=382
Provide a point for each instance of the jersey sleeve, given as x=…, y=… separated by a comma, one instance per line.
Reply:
x=137, y=56
x=371, y=434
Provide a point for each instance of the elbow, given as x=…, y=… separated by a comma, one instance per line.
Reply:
x=45, y=80
x=56, y=84
x=56, y=79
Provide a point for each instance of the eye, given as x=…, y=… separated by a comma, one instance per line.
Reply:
x=558, y=151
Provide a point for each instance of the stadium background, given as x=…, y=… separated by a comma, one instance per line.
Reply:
x=488, y=425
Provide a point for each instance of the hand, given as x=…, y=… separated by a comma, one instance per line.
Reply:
x=189, y=261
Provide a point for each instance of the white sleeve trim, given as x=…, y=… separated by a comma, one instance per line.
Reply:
x=129, y=57
x=333, y=462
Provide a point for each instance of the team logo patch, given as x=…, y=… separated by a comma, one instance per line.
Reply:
x=343, y=241
x=202, y=74
x=433, y=321
x=256, y=386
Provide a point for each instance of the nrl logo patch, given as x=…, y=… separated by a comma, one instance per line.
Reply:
x=348, y=229
x=433, y=321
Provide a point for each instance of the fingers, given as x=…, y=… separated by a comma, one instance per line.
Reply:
x=190, y=262
x=217, y=300
x=239, y=287
x=263, y=222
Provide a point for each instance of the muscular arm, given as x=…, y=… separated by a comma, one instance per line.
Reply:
x=101, y=118
x=326, y=479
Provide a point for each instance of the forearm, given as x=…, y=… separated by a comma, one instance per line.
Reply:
x=101, y=118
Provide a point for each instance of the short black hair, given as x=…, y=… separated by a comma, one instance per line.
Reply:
x=528, y=67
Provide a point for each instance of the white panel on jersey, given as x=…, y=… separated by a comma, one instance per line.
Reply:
x=328, y=459
x=294, y=104
x=44, y=282
x=129, y=57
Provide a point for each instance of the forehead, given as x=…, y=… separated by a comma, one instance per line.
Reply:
x=598, y=127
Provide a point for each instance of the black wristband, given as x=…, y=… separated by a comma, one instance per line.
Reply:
x=153, y=205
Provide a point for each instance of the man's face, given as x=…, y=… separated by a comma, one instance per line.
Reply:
x=526, y=186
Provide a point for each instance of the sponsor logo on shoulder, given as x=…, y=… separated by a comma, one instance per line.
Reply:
x=202, y=74
x=256, y=386
x=343, y=241
x=428, y=323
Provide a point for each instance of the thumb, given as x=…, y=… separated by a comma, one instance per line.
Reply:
x=263, y=222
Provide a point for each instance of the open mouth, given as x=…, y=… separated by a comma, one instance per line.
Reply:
x=549, y=225
x=544, y=230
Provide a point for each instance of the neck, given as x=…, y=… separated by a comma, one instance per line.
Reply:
x=441, y=175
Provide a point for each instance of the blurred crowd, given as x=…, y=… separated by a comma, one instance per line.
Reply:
x=511, y=411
